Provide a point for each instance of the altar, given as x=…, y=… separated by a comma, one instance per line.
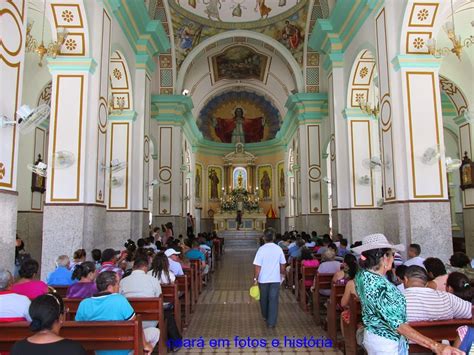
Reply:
x=253, y=221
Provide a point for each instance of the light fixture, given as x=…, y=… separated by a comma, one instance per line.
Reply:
x=52, y=49
x=368, y=108
x=185, y=92
x=117, y=106
x=458, y=44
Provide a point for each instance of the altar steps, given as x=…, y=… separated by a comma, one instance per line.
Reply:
x=241, y=239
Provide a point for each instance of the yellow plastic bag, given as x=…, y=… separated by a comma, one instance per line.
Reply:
x=255, y=292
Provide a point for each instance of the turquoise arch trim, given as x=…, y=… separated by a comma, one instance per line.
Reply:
x=284, y=52
x=176, y=110
x=81, y=64
x=125, y=115
x=416, y=61
x=146, y=36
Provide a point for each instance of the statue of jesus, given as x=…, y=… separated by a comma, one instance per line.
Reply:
x=238, y=132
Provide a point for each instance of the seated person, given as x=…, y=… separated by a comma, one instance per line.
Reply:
x=425, y=304
x=110, y=262
x=47, y=316
x=173, y=259
x=196, y=254
x=460, y=262
x=109, y=305
x=328, y=266
x=86, y=287
x=465, y=339
x=96, y=257
x=414, y=258
x=326, y=241
x=342, y=251
x=308, y=259
x=140, y=283
x=13, y=307
x=79, y=257
x=400, y=276
x=295, y=250
x=458, y=284
x=62, y=276
x=436, y=272
x=348, y=271
x=160, y=269
x=27, y=285
x=283, y=243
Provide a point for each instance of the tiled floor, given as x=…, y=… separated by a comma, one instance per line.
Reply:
x=225, y=310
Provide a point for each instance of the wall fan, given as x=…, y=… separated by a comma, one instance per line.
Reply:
x=116, y=181
x=153, y=183
x=452, y=164
x=38, y=169
x=63, y=159
x=115, y=165
x=28, y=118
x=431, y=155
x=364, y=180
x=375, y=163
x=327, y=180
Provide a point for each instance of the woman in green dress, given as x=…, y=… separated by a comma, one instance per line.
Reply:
x=383, y=305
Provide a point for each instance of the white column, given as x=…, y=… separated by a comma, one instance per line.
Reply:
x=12, y=58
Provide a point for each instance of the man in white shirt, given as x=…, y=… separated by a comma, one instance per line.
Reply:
x=138, y=283
x=175, y=265
x=269, y=267
x=414, y=258
x=426, y=304
x=13, y=307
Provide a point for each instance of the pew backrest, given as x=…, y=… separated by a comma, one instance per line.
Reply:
x=126, y=335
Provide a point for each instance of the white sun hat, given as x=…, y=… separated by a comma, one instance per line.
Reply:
x=377, y=241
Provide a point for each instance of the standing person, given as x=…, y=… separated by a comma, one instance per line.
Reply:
x=238, y=219
x=269, y=266
x=189, y=224
x=383, y=305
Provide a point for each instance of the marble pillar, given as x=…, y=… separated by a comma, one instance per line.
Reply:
x=8, y=220
x=30, y=230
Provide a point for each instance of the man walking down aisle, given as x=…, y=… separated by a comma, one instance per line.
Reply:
x=269, y=266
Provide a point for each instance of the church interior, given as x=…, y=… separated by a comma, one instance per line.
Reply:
x=125, y=119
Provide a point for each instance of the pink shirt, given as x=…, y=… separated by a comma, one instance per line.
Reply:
x=441, y=282
x=30, y=289
x=313, y=262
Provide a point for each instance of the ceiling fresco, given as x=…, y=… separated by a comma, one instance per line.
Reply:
x=259, y=117
x=232, y=13
x=287, y=26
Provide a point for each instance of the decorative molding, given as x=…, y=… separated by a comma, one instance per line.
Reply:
x=62, y=64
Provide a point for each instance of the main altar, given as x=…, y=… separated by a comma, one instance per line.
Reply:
x=240, y=193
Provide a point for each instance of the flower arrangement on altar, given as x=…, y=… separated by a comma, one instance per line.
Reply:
x=230, y=201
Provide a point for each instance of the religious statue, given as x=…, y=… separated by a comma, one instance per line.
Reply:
x=291, y=35
x=38, y=183
x=214, y=184
x=240, y=180
x=265, y=185
x=197, y=183
x=282, y=183
x=239, y=129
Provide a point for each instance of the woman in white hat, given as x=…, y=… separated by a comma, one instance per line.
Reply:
x=383, y=305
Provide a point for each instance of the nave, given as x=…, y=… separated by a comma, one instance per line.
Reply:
x=225, y=310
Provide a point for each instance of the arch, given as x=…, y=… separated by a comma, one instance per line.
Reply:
x=363, y=72
x=120, y=82
x=455, y=94
x=279, y=48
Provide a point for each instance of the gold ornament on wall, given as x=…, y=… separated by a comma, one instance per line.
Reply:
x=53, y=48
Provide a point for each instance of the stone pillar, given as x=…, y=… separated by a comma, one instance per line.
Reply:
x=309, y=112
x=172, y=111
x=12, y=59
x=365, y=214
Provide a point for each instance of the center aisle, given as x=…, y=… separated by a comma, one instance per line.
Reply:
x=225, y=310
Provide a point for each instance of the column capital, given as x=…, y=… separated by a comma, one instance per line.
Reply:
x=307, y=106
x=420, y=61
x=356, y=114
x=125, y=115
x=80, y=64
x=146, y=36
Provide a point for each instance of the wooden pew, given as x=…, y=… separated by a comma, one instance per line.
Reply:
x=149, y=309
x=192, y=281
x=438, y=331
x=170, y=294
x=350, y=329
x=185, y=287
x=60, y=290
x=323, y=281
x=337, y=291
x=296, y=278
x=307, y=273
x=196, y=265
x=127, y=335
